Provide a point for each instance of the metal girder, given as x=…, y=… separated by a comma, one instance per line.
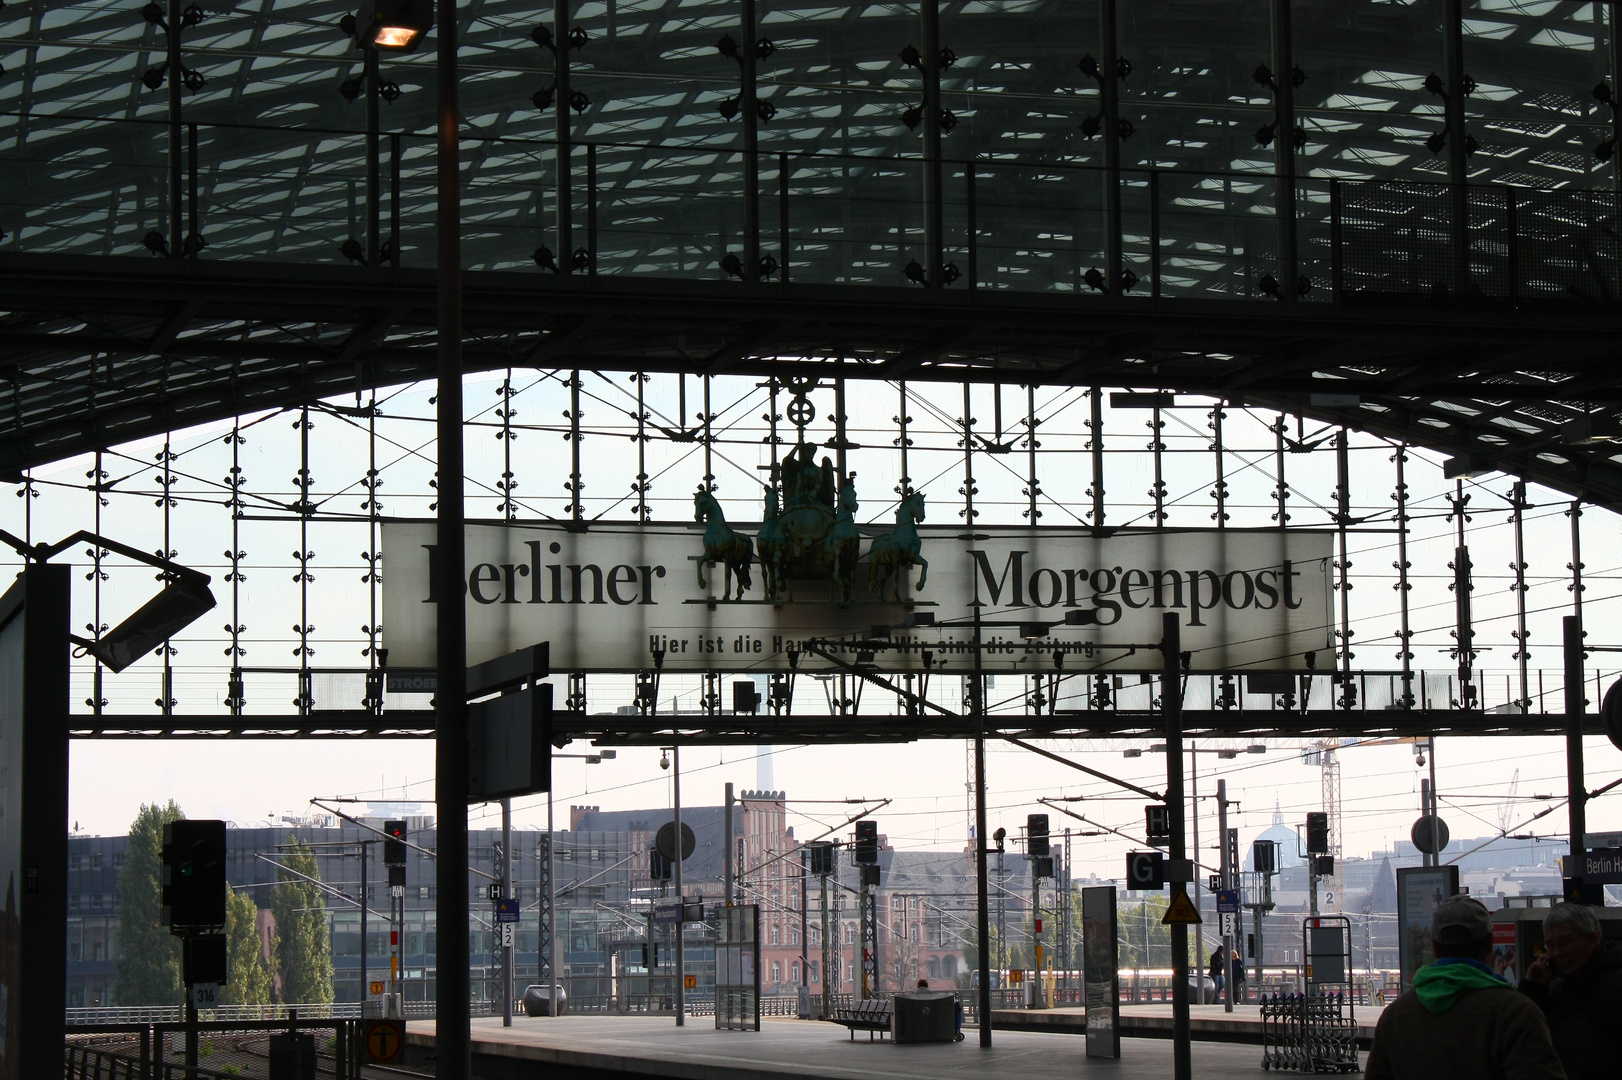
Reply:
x=78, y=348
x=617, y=730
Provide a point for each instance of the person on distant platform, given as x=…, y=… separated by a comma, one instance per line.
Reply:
x=1238, y=990
x=1215, y=969
x=1460, y=1021
x=1577, y=982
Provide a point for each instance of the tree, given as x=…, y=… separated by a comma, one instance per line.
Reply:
x=249, y=976
x=304, y=945
x=149, y=961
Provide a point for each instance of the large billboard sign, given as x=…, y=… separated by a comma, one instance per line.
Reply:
x=619, y=596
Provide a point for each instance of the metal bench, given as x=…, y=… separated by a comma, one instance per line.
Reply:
x=869, y=1016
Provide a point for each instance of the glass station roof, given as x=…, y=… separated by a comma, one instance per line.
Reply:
x=279, y=176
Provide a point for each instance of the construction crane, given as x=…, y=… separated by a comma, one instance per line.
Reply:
x=1506, y=809
x=1324, y=753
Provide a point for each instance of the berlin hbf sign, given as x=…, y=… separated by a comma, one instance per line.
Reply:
x=609, y=597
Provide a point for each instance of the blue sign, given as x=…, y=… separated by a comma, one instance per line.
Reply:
x=1227, y=901
x=506, y=911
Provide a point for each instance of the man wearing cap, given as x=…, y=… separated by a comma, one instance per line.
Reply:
x=1577, y=982
x=1460, y=1020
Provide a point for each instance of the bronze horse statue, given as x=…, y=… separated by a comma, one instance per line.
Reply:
x=772, y=544
x=733, y=550
x=895, y=551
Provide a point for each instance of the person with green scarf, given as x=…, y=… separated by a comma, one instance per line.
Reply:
x=1460, y=1021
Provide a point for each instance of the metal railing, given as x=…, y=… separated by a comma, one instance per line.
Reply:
x=90, y=1063
x=227, y=1048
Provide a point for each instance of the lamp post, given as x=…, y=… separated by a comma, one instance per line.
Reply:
x=548, y=953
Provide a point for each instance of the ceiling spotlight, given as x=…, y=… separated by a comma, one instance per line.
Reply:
x=1090, y=126
x=1088, y=66
x=350, y=88
x=388, y=90
x=948, y=58
x=915, y=273
x=764, y=48
x=768, y=266
x=1094, y=279
x=608, y=755
x=1264, y=134
x=1132, y=752
x=578, y=38
x=732, y=265
x=155, y=243
x=1269, y=286
x=1435, y=143
x=1125, y=130
x=352, y=251
x=1256, y=748
x=153, y=76
x=765, y=110
x=579, y=102
x=192, y=80
x=1602, y=94
x=1264, y=75
x=949, y=120
x=545, y=259
x=912, y=58
x=728, y=108
x=1433, y=83
x=542, y=99
x=664, y=760
x=950, y=273
x=541, y=36
x=1227, y=755
x=728, y=48
x=913, y=116
x=347, y=26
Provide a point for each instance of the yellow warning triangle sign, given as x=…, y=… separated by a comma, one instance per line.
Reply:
x=1182, y=910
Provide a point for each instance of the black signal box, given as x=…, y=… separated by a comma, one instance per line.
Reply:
x=394, y=845
x=193, y=875
x=867, y=842
x=1036, y=833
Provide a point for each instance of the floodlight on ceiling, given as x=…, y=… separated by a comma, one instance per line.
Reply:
x=394, y=25
x=184, y=597
x=1227, y=755
x=1465, y=467
x=1592, y=429
x=1256, y=748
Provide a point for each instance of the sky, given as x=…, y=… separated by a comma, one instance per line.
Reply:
x=251, y=782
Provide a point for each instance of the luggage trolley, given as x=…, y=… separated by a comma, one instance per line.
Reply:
x=1316, y=1031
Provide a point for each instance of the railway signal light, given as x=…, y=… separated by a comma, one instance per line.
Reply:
x=193, y=876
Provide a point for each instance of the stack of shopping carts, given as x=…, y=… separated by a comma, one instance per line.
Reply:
x=1309, y=1033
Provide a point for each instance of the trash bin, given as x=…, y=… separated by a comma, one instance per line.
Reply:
x=538, y=1000
x=292, y=1056
x=924, y=1016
